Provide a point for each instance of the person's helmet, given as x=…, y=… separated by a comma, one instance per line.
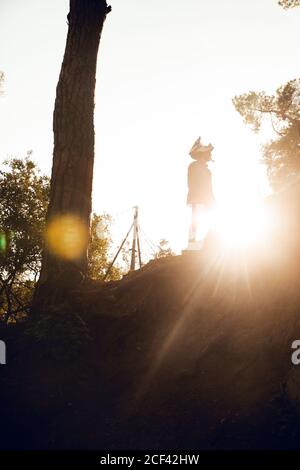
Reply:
x=199, y=150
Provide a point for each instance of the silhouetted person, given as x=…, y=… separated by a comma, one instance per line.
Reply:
x=200, y=196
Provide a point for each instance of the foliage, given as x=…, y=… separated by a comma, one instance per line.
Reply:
x=23, y=203
x=282, y=154
x=163, y=249
x=24, y=195
x=1, y=81
x=286, y=4
x=99, y=249
x=62, y=332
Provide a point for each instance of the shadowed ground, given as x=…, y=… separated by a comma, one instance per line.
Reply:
x=188, y=352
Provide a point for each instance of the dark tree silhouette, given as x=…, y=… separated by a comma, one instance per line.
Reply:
x=73, y=126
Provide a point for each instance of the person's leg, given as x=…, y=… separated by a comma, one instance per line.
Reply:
x=194, y=224
x=204, y=221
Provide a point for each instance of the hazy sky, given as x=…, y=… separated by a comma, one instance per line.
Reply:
x=167, y=72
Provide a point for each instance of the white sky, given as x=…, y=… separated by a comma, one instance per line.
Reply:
x=167, y=72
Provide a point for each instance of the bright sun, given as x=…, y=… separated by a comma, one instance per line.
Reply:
x=240, y=218
x=239, y=225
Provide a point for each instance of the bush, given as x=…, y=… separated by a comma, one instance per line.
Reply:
x=63, y=333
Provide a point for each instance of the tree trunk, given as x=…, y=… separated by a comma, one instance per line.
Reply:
x=73, y=127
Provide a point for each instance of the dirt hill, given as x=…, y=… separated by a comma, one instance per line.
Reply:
x=188, y=352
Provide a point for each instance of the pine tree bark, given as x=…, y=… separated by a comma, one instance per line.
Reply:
x=73, y=127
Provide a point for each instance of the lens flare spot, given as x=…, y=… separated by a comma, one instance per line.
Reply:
x=67, y=237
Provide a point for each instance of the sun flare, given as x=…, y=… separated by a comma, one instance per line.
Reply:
x=236, y=226
x=240, y=219
x=240, y=225
x=67, y=237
